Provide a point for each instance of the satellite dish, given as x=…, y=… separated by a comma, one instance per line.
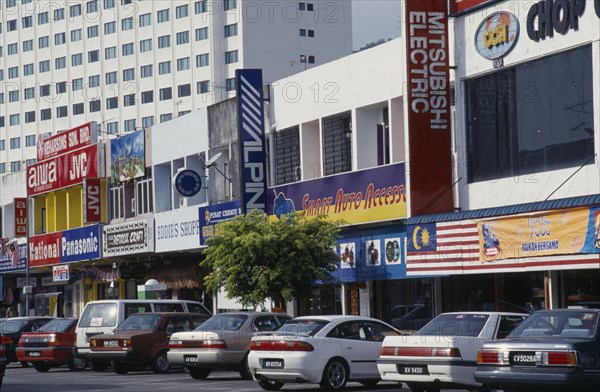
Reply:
x=213, y=160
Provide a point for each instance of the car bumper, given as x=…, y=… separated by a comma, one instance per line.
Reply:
x=297, y=368
x=119, y=356
x=213, y=358
x=44, y=354
x=441, y=374
x=554, y=378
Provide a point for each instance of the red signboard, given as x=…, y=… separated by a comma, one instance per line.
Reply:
x=62, y=171
x=73, y=139
x=44, y=249
x=92, y=211
x=428, y=101
x=460, y=6
x=20, y=217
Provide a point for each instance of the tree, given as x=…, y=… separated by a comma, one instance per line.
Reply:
x=254, y=258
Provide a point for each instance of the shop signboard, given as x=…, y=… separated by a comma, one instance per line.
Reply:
x=60, y=273
x=44, y=249
x=13, y=256
x=128, y=157
x=209, y=216
x=427, y=106
x=71, y=140
x=62, y=171
x=23, y=282
x=132, y=237
x=92, y=200
x=364, y=196
x=82, y=243
x=177, y=229
x=20, y=216
x=497, y=35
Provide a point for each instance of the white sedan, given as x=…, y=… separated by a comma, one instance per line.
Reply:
x=328, y=350
x=443, y=354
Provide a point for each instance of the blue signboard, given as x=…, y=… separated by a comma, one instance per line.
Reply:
x=80, y=244
x=251, y=127
x=14, y=258
x=209, y=216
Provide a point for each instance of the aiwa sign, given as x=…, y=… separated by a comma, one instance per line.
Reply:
x=253, y=175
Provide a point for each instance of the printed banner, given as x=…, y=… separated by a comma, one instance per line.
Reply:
x=364, y=196
x=128, y=157
x=211, y=215
x=128, y=238
x=71, y=140
x=20, y=216
x=13, y=256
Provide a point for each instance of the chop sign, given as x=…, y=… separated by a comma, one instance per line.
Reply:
x=558, y=16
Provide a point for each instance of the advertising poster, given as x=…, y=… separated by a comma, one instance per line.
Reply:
x=127, y=157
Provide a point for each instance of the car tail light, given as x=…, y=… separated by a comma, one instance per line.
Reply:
x=387, y=350
x=126, y=343
x=94, y=343
x=175, y=344
x=213, y=344
x=281, y=345
x=4, y=340
x=53, y=340
x=484, y=357
x=422, y=351
x=564, y=358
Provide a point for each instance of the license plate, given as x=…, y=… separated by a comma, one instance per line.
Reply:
x=111, y=343
x=526, y=358
x=413, y=369
x=189, y=359
x=34, y=354
x=272, y=364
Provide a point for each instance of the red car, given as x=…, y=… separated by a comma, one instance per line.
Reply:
x=50, y=346
x=4, y=340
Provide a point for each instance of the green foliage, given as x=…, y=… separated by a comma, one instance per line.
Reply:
x=254, y=258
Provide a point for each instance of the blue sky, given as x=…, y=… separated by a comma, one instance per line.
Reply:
x=375, y=19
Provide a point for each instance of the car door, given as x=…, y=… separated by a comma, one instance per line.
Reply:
x=358, y=350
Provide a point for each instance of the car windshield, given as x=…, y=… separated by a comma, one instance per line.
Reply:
x=304, y=327
x=12, y=326
x=139, y=322
x=572, y=324
x=455, y=324
x=57, y=326
x=226, y=322
x=99, y=315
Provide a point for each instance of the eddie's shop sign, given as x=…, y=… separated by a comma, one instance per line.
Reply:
x=549, y=16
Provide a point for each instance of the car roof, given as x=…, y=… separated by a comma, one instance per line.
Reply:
x=489, y=313
x=171, y=314
x=582, y=310
x=334, y=317
x=27, y=318
x=250, y=314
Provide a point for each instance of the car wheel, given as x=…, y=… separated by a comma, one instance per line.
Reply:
x=369, y=383
x=41, y=367
x=76, y=364
x=199, y=373
x=335, y=375
x=160, y=363
x=99, y=366
x=270, y=385
x=244, y=369
x=120, y=368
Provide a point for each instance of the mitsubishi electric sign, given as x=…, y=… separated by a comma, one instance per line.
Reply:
x=253, y=175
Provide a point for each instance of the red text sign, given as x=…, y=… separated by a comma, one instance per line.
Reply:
x=92, y=210
x=44, y=249
x=73, y=139
x=20, y=217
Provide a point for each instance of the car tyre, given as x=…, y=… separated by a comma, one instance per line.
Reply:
x=335, y=375
x=199, y=373
x=99, y=366
x=270, y=385
x=76, y=364
x=245, y=369
x=120, y=368
x=369, y=383
x=41, y=367
x=160, y=363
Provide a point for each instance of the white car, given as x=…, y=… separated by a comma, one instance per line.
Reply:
x=328, y=350
x=443, y=354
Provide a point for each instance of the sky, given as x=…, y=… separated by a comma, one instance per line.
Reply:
x=375, y=19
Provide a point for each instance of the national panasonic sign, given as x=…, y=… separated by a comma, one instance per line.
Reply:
x=253, y=179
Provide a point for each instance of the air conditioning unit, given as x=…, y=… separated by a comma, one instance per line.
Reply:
x=133, y=204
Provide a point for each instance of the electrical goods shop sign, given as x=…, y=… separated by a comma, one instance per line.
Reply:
x=66, y=246
x=128, y=238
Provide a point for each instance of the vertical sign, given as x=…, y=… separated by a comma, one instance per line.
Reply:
x=92, y=211
x=20, y=217
x=253, y=180
x=428, y=106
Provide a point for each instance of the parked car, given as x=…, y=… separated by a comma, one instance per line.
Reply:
x=52, y=345
x=328, y=350
x=221, y=343
x=4, y=340
x=410, y=317
x=141, y=340
x=14, y=327
x=443, y=354
x=553, y=349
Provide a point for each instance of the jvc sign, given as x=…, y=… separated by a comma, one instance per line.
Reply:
x=253, y=179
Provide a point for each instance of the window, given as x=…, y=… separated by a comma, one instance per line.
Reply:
x=14, y=119
x=2, y=142
x=183, y=64
x=202, y=60
x=164, y=68
x=95, y=106
x=146, y=45
x=147, y=122
x=76, y=59
x=42, y=18
x=164, y=41
x=93, y=56
x=184, y=90
x=28, y=69
x=109, y=4
x=509, y=134
x=59, y=14
x=146, y=71
x=94, y=81
x=60, y=62
x=28, y=45
x=129, y=100
x=311, y=33
x=62, y=111
x=163, y=15
x=30, y=139
x=129, y=125
x=201, y=33
x=127, y=49
x=43, y=42
x=15, y=166
x=203, y=87
x=27, y=22
x=75, y=10
x=112, y=103
x=77, y=108
x=231, y=30
x=231, y=57
x=183, y=37
x=76, y=35
x=165, y=93
x=229, y=4
x=182, y=11
x=29, y=93
x=29, y=118
x=145, y=20
x=92, y=31
x=11, y=25
x=128, y=74
x=127, y=24
x=44, y=66
x=230, y=84
x=13, y=72
x=310, y=7
x=44, y=90
x=305, y=57
x=45, y=114
x=200, y=7
x=111, y=77
x=302, y=32
x=2, y=168
x=77, y=84
x=13, y=96
x=61, y=87
x=110, y=28
x=92, y=6
x=30, y=162
x=110, y=53
x=112, y=127
x=59, y=38
x=337, y=146
x=148, y=96
x=166, y=117
x=13, y=48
